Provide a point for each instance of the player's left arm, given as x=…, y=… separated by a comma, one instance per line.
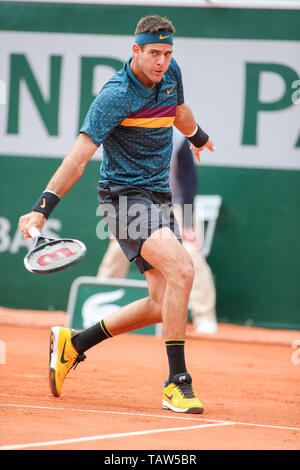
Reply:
x=185, y=123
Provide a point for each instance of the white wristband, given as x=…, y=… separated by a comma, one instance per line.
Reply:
x=49, y=191
x=191, y=135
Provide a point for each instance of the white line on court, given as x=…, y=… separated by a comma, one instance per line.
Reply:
x=148, y=415
x=109, y=436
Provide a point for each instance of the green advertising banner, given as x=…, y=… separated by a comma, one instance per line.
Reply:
x=92, y=299
x=241, y=74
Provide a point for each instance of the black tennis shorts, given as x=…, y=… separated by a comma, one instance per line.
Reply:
x=132, y=214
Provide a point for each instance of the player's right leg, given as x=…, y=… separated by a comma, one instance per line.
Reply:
x=164, y=252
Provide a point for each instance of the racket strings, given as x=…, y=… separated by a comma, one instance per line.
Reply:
x=54, y=255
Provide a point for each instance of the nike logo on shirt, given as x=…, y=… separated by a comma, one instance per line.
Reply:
x=169, y=91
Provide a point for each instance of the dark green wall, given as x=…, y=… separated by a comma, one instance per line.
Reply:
x=256, y=251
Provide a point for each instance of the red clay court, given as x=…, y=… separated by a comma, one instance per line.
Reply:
x=247, y=378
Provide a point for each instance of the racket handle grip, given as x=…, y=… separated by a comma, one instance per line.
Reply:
x=34, y=232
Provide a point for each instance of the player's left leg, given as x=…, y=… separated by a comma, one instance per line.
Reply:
x=63, y=357
x=67, y=346
x=142, y=312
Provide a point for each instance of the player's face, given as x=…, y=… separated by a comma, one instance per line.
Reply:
x=152, y=61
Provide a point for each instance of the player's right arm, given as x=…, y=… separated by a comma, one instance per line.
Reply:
x=70, y=170
x=72, y=166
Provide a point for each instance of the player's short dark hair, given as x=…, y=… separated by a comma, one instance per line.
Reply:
x=154, y=24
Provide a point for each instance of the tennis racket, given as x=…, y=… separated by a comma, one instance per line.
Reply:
x=54, y=254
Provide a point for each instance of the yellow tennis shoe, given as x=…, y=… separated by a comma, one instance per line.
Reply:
x=179, y=395
x=63, y=356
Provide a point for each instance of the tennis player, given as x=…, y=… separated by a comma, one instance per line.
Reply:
x=132, y=117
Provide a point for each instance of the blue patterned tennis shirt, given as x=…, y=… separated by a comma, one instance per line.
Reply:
x=134, y=124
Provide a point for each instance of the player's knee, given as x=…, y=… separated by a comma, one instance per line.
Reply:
x=154, y=305
x=182, y=275
x=187, y=275
x=155, y=302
